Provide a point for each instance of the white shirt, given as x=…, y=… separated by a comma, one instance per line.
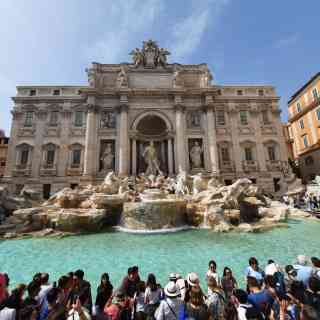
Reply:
x=7, y=314
x=164, y=311
x=242, y=309
x=214, y=275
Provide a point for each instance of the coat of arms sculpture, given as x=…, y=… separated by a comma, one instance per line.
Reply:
x=151, y=56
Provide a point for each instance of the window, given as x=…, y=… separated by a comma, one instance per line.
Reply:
x=305, y=141
x=79, y=119
x=243, y=117
x=225, y=154
x=301, y=124
x=2, y=164
x=219, y=92
x=76, y=158
x=265, y=117
x=248, y=154
x=298, y=107
x=315, y=94
x=24, y=157
x=50, y=156
x=261, y=92
x=56, y=92
x=28, y=119
x=221, y=118
x=239, y=92
x=32, y=92
x=271, y=153
x=318, y=113
x=309, y=161
x=54, y=118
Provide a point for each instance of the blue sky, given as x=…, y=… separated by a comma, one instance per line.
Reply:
x=243, y=41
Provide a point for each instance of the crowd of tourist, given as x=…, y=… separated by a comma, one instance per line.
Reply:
x=308, y=202
x=290, y=293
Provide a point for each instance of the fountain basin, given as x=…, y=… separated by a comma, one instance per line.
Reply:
x=154, y=214
x=152, y=195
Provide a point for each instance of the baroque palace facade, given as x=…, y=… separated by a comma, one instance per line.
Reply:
x=70, y=135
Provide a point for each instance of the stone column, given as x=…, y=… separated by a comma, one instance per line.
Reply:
x=65, y=129
x=212, y=140
x=91, y=143
x=260, y=149
x=236, y=149
x=41, y=116
x=180, y=139
x=11, y=155
x=123, y=140
x=134, y=157
x=170, y=157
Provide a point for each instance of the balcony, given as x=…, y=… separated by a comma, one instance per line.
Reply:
x=227, y=166
x=274, y=165
x=48, y=170
x=22, y=170
x=250, y=165
x=74, y=170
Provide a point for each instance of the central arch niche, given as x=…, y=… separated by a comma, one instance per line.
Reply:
x=151, y=127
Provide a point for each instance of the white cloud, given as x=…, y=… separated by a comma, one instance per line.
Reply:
x=287, y=41
x=188, y=33
x=125, y=20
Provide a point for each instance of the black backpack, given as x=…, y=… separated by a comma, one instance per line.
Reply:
x=253, y=313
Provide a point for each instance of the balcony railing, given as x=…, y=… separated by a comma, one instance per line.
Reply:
x=274, y=165
x=250, y=165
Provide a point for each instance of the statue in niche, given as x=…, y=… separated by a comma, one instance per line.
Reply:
x=196, y=155
x=108, y=120
x=107, y=157
x=150, y=157
x=137, y=57
x=193, y=120
x=122, y=79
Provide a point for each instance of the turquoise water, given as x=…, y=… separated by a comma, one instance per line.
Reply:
x=179, y=252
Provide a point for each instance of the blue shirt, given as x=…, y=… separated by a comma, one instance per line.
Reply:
x=249, y=272
x=303, y=273
x=261, y=300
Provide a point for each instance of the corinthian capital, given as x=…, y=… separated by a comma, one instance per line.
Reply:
x=179, y=108
x=91, y=108
x=122, y=108
x=208, y=107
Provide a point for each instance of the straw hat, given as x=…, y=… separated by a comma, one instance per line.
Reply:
x=171, y=290
x=193, y=279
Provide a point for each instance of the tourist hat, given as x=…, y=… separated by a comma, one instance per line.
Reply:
x=174, y=276
x=193, y=279
x=171, y=290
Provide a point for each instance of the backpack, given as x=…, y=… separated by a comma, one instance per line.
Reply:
x=253, y=313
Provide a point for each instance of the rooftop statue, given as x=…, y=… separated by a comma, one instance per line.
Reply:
x=151, y=56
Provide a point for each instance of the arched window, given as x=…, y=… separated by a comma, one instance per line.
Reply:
x=23, y=155
x=49, y=155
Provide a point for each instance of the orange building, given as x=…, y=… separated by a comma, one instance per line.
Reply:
x=304, y=127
